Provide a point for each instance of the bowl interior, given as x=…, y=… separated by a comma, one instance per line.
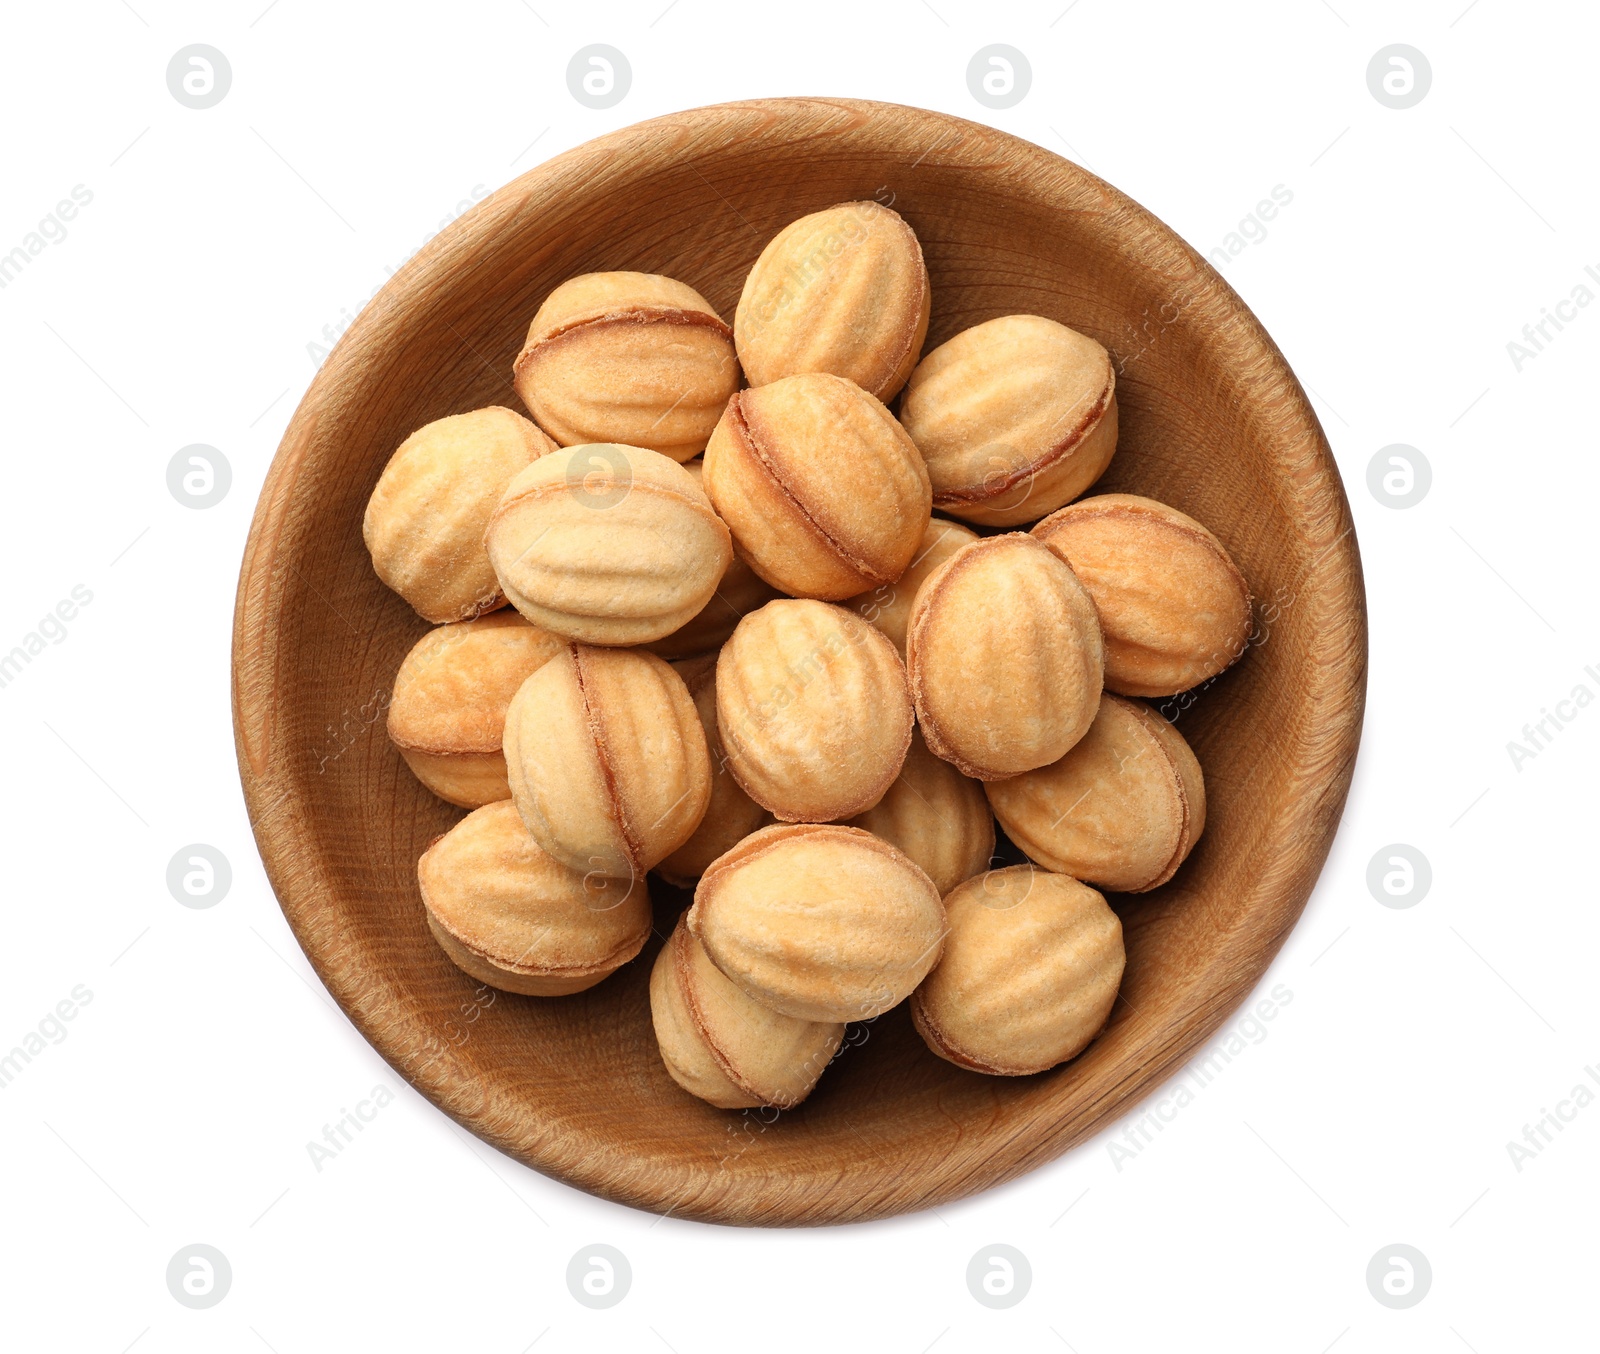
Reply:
x=1212, y=421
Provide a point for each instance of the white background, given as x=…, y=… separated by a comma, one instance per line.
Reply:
x=1377, y=1107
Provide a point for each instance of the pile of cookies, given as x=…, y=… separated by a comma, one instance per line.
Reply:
x=743, y=652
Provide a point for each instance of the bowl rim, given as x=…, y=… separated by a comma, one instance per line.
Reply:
x=300, y=880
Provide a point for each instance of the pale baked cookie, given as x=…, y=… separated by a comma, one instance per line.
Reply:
x=634, y=358
x=740, y=592
x=1173, y=606
x=1030, y=972
x=515, y=918
x=607, y=759
x=1122, y=809
x=1005, y=657
x=425, y=521
x=731, y=815
x=722, y=1046
x=1014, y=417
x=819, y=921
x=608, y=545
x=825, y=494
x=448, y=711
x=937, y=816
x=842, y=291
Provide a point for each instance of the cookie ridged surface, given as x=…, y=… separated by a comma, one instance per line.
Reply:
x=819, y=921
x=825, y=494
x=842, y=291
x=425, y=521
x=607, y=544
x=635, y=358
x=740, y=591
x=1173, y=606
x=512, y=916
x=1014, y=417
x=1030, y=972
x=447, y=713
x=813, y=709
x=1005, y=658
x=1122, y=809
x=607, y=759
x=731, y=815
x=724, y=1047
x=937, y=816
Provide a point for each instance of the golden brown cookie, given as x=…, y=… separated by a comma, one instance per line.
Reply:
x=425, y=521
x=1014, y=417
x=448, y=712
x=725, y=1048
x=1173, y=606
x=1122, y=809
x=888, y=606
x=1030, y=972
x=634, y=358
x=842, y=291
x=813, y=710
x=515, y=918
x=823, y=491
x=819, y=921
x=1004, y=656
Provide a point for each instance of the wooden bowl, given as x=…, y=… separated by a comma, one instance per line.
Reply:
x=1213, y=422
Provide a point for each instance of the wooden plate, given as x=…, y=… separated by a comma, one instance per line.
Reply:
x=1212, y=422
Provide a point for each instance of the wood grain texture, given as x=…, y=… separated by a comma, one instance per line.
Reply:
x=1213, y=422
